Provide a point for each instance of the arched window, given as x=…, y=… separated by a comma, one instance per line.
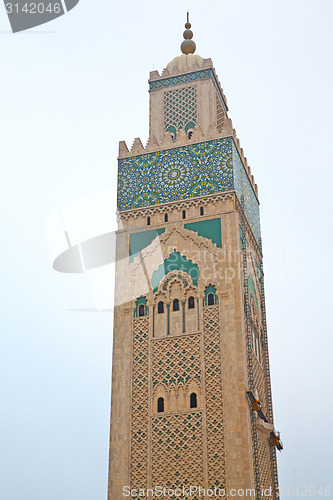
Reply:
x=210, y=296
x=193, y=400
x=190, y=134
x=141, y=310
x=191, y=302
x=148, y=221
x=175, y=305
x=210, y=299
x=165, y=217
x=160, y=307
x=184, y=214
x=160, y=405
x=141, y=307
x=201, y=211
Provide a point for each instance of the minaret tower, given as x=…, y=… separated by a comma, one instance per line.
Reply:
x=191, y=394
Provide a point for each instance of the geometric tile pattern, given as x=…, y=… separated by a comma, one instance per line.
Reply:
x=175, y=174
x=180, y=108
x=214, y=398
x=176, y=360
x=139, y=424
x=190, y=77
x=244, y=188
x=177, y=450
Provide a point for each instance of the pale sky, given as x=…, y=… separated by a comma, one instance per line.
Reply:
x=73, y=88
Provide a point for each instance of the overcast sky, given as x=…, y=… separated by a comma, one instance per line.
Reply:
x=70, y=90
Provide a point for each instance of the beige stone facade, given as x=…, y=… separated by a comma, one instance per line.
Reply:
x=180, y=415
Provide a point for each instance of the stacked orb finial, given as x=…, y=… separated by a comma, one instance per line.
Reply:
x=188, y=46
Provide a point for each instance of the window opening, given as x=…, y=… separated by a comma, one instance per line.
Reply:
x=191, y=302
x=160, y=405
x=211, y=299
x=141, y=310
x=193, y=400
x=175, y=305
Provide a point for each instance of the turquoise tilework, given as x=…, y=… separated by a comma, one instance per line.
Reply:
x=175, y=174
x=139, y=241
x=174, y=80
x=244, y=188
x=210, y=228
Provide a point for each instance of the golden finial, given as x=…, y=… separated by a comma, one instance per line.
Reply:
x=188, y=46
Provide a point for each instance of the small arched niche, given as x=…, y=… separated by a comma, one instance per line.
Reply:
x=210, y=296
x=160, y=405
x=193, y=400
x=141, y=309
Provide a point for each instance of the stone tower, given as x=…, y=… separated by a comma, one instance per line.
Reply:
x=191, y=395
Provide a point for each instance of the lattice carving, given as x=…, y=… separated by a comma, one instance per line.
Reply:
x=265, y=464
x=180, y=107
x=259, y=378
x=177, y=457
x=220, y=115
x=176, y=360
x=214, y=398
x=139, y=436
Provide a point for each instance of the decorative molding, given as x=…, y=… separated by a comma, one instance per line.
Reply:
x=171, y=205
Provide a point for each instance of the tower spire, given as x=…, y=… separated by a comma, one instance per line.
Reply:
x=188, y=46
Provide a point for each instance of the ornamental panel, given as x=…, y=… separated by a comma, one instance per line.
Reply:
x=175, y=174
x=180, y=109
x=177, y=458
x=176, y=360
x=139, y=434
x=265, y=464
x=214, y=398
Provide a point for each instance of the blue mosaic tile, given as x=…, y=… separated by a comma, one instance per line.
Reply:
x=175, y=174
x=244, y=188
x=174, y=80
